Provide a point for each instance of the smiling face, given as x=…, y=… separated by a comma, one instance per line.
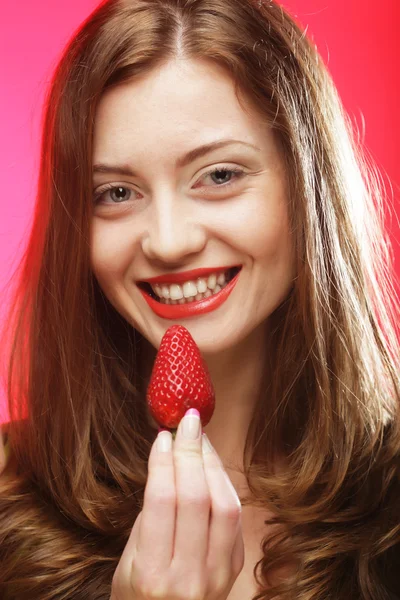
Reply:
x=165, y=215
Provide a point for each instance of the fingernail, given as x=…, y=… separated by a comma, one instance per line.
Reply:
x=206, y=445
x=164, y=441
x=191, y=424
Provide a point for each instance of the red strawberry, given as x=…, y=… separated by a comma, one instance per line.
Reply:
x=180, y=380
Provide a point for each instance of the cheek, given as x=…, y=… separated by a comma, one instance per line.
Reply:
x=274, y=260
x=109, y=252
x=276, y=244
x=263, y=232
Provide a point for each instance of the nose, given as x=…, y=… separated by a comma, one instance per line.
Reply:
x=173, y=233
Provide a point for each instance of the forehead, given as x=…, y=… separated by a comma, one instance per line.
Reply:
x=176, y=105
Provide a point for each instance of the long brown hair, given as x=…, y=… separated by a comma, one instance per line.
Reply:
x=80, y=435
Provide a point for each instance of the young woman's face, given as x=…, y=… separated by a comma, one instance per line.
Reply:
x=170, y=215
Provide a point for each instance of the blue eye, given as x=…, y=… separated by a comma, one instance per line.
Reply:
x=225, y=170
x=119, y=194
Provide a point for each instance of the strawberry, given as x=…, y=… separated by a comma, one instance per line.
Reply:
x=180, y=380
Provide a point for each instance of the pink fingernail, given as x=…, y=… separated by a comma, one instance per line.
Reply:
x=192, y=411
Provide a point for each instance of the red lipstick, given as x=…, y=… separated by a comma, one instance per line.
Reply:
x=186, y=275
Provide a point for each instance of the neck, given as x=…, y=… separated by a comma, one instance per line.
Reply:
x=237, y=376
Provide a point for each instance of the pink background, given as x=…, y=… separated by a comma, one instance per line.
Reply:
x=360, y=45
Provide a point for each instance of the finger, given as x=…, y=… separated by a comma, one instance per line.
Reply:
x=193, y=496
x=157, y=526
x=225, y=511
x=122, y=574
x=238, y=553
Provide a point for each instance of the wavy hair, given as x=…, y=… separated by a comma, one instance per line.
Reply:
x=79, y=431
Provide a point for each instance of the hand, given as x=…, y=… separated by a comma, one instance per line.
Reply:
x=186, y=543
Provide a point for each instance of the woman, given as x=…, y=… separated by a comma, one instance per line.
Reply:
x=140, y=178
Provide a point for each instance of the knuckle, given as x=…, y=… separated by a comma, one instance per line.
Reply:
x=202, y=500
x=153, y=590
x=221, y=582
x=192, y=591
x=147, y=582
x=190, y=459
x=195, y=595
x=162, y=497
x=160, y=461
x=229, y=511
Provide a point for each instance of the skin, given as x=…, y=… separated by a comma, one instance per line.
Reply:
x=175, y=219
x=180, y=219
x=175, y=550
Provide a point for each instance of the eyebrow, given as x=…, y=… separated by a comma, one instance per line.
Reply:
x=181, y=162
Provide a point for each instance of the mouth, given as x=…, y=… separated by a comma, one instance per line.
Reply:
x=229, y=275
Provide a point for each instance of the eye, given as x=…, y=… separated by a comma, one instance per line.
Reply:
x=222, y=173
x=118, y=193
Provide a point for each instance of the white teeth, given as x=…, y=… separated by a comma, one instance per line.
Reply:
x=189, y=289
x=201, y=285
x=196, y=298
x=212, y=281
x=221, y=279
x=175, y=292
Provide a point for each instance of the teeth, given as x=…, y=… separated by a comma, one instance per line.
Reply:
x=191, y=290
x=221, y=279
x=212, y=281
x=175, y=292
x=201, y=285
x=198, y=297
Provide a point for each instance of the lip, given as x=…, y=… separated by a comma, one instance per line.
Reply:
x=191, y=309
x=186, y=275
